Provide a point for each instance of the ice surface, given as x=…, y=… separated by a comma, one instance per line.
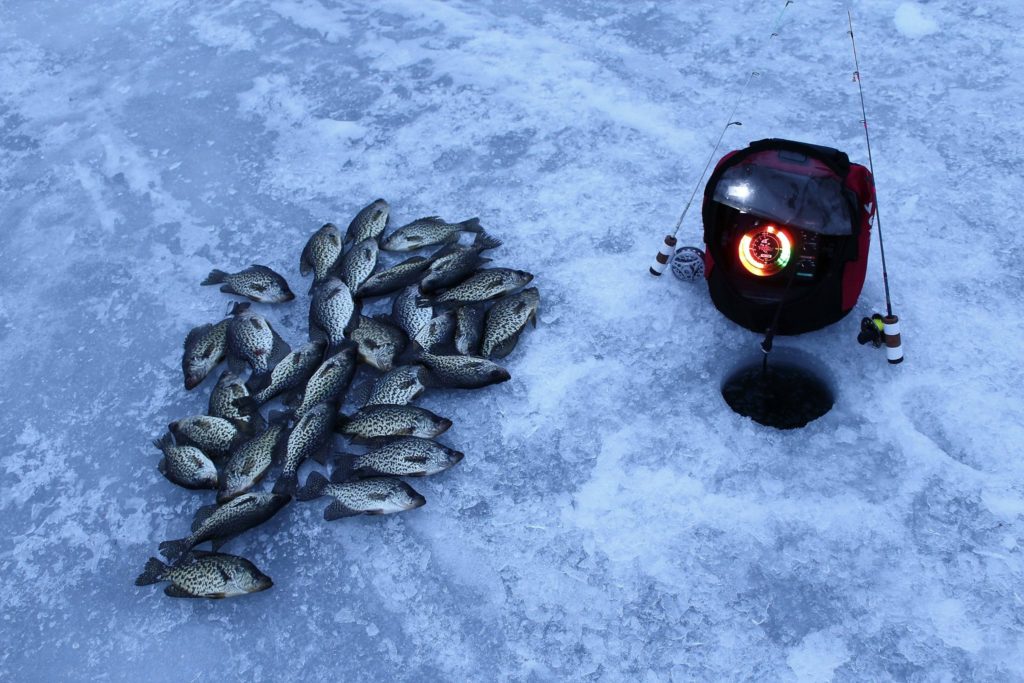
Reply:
x=612, y=519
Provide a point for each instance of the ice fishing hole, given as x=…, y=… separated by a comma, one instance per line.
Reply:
x=791, y=392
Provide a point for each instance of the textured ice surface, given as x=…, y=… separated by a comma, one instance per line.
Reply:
x=613, y=519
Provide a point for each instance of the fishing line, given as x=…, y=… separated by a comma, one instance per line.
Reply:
x=893, y=342
x=668, y=247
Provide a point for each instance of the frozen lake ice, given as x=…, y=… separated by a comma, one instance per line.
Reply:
x=612, y=519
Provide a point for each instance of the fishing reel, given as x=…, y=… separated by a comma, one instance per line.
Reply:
x=878, y=330
x=871, y=331
x=688, y=264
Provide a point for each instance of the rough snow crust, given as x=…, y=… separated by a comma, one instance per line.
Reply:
x=612, y=520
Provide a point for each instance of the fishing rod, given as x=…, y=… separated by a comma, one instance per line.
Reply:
x=891, y=322
x=669, y=244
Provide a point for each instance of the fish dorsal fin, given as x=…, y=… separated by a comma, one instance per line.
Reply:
x=202, y=514
x=196, y=333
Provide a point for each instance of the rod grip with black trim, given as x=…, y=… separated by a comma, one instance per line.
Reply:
x=893, y=341
x=664, y=254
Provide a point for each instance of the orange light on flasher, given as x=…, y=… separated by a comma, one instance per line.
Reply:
x=765, y=250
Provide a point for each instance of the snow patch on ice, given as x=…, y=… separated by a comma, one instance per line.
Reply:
x=913, y=21
x=219, y=35
x=817, y=657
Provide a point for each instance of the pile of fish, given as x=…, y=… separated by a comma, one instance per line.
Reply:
x=448, y=317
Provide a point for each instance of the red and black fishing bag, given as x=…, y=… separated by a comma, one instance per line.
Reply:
x=787, y=226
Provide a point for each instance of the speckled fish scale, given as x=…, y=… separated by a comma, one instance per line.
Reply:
x=321, y=253
x=329, y=382
x=506, y=321
x=408, y=456
x=206, y=575
x=186, y=466
x=308, y=438
x=250, y=462
x=370, y=222
x=205, y=347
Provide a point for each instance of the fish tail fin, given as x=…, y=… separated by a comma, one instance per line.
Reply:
x=151, y=573
x=215, y=277
x=172, y=550
x=286, y=484
x=239, y=307
x=471, y=225
x=484, y=241
x=316, y=485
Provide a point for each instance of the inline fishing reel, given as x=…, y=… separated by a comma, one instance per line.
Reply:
x=688, y=264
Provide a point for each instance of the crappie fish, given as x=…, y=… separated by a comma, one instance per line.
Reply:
x=358, y=263
x=252, y=341
x=250, y=461
x=212, y=435
x=375, y=496
x=219, y=524
x=457, y=263
x=256, y=282
x=230, y=388
x=309, y=438
x=469, y=327
x=186, y=466
x=409, y=316
x=377, y=421
x=484, y=285
x=379, y=341
x=408, y=456
x=506, y=321
x=329, y=382
x=438, y=332
x=428, y=231
x=206, y=575
x=321, y=253
x=394, y=278
x=291, y=373
x=205, y=347
x=462, y=372
x=398, y=387
x=330, y=312
x=369, y=222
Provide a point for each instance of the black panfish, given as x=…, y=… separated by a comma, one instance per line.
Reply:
x=321, y=253
x=206, y=575
x=329, y=382
x=252, y=341
x=309, y=438
x=250, y=461
x=506, y=321
x=373, y=422
x=369, y=222
x=394, y=278
x=428, y=231
x=456, y=263
x=205, y=348
x=186, y=466
x=378, y=341
x=219, y=524
x=469, y=328
x=373, y=496
x=484, y=285
x=358, y=263
x=259, y=283
x=330, y=313
x=407, y=456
